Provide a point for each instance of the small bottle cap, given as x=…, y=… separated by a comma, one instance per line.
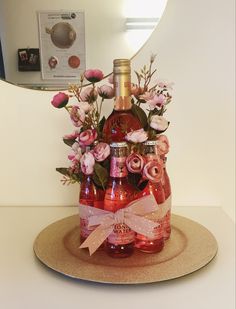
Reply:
x=118, y=144
x=150, y=143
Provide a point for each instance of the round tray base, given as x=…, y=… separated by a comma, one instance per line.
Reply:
x=190, y=247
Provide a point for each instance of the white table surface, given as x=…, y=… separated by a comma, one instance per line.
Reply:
x=26, y=283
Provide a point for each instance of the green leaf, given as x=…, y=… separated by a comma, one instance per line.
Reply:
x=100, y=175
x=134, y=179
x=101, y=124
x=142, y=185
x=67, y=172
x=140, y=114
x=63, y=171
x=68, y=142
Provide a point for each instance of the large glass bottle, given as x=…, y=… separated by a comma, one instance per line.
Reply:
x=90, y=195
x=120, y=243
x=143, y=243
x=122, y=120
x=167, y=190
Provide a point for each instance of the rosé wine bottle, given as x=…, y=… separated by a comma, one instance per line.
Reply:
x=90, y=195
x=119, y=193
x=122, y=120
x=167, y=189
x=155, y=244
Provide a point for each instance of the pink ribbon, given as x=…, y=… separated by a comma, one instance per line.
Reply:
x=132, y=216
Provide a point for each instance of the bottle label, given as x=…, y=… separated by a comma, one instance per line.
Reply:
x=121, y=235
x=122, y=85
x=85, y=231
x=118, y=167
x=158, y=233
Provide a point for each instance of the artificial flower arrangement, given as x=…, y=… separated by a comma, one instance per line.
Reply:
x=89, y=153
x=149, y=105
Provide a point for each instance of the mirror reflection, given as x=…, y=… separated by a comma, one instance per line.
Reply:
x=105, y=30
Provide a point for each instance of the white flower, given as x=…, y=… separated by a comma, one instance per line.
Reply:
x=159, y=123
x=137, y=136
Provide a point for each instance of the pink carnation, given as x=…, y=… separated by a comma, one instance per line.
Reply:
x=60, y=100
x=93, y=76
x=89, y=94
x=106, y=92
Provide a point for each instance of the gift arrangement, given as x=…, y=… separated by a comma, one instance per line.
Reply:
x=119, y=162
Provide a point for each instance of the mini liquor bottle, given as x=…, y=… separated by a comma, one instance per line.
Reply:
x=167, y=190
x=120, y=243
x=143, y=243
x=122, y=120
x=90, y=195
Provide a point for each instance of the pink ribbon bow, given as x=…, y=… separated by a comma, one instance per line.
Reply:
x=132, y=216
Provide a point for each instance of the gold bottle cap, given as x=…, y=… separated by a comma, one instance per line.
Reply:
x=121, y=66
x=118, y=144
x=150, y=143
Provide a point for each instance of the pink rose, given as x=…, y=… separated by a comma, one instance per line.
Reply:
x=159, y=123
x=89, y=94
x=93, y=76
x=148, y=95
x=101, y=151
x=77, y=115
x=86, y=107
x=87, y=137
x=60, y=100
x=87, y=163
x=135, y=163
x=111, y=79
x=106, y=92
x=76, y=153
x=71, y=136
x=157, y=100
x=163, y=145
x=165, y=85
x=136, y=90
x=137, y=136
x=153, y=171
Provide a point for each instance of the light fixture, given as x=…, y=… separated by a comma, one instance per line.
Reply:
x=140, y=23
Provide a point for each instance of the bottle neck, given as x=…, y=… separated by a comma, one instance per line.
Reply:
x=118, y=167
x=122, y=85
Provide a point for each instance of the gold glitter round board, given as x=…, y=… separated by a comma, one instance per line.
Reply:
x=190, y=247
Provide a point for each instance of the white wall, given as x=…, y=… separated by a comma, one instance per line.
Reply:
x=195, y=46
x=104, y=29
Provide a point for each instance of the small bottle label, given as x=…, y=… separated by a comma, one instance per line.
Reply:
x=121, y=235
x=157, y=233
x=85, y=231
x=118, y=167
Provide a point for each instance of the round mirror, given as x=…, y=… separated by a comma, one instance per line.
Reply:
x=46, y=47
